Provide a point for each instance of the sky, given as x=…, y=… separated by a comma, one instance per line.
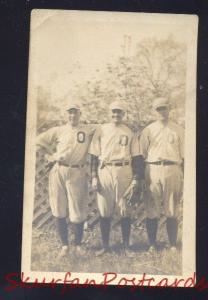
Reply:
x=69, y=46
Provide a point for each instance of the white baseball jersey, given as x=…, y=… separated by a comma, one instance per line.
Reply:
x=71, y=143
x=114, y=143
x=162, y=142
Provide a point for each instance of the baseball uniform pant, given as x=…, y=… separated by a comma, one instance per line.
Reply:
x=68, y=193
x=114, y=180
x=164, y=190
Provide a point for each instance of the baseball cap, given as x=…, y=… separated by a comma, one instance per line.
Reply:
x=117, y=105
x=72, y=105
x=160, y=102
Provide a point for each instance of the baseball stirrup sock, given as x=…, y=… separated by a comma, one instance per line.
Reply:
x=125, y=230
x=105, y=224
x=62, y=230
x=172, y=230
x=78, y=231
x=151, y=225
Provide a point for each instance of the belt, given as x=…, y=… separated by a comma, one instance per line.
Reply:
x=163, y=163
x=115, y=164
x=71, y=166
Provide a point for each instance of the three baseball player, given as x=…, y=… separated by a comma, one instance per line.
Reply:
x=117, y=162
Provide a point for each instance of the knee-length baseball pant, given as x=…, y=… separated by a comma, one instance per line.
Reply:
x=114, y=180
x=164, y=190
x=68, y=193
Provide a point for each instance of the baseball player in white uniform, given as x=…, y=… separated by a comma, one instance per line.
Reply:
x=162, y=145
x=115, y=165
x=67, y=178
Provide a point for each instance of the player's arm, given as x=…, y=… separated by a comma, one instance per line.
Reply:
x=94, y=171
x=144, y=142
x=181, y=146
x=94, y=152
x=94, y=166
x=92, y=128
x=137, y=163
x=47, y=140
x=138, y=167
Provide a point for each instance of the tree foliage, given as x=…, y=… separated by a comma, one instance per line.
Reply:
x=157, y=68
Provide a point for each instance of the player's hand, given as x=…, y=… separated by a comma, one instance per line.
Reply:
x=135, y=185
x=122, y=206
x=95, y=184
x=49, y=158
x=50, y=161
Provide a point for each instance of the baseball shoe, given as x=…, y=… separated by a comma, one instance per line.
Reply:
x=102, y=251
x=173, y=250
x=64, y=251
x=128, y=252
x=152, y=249
x=80, y=250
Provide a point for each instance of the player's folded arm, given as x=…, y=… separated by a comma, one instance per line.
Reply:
x=47, y=139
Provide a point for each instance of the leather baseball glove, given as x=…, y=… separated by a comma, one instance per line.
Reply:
x=132, y=196
x=134, y=193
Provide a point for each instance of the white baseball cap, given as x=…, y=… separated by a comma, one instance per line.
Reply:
x=161, y=102
x=117, y=105
x=72, y=105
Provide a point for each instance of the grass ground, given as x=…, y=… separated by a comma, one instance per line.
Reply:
x=46, y=247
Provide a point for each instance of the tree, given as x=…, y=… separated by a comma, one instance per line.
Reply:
x=156, y=68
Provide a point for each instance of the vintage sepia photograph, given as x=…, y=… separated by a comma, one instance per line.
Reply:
x=110, y=144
